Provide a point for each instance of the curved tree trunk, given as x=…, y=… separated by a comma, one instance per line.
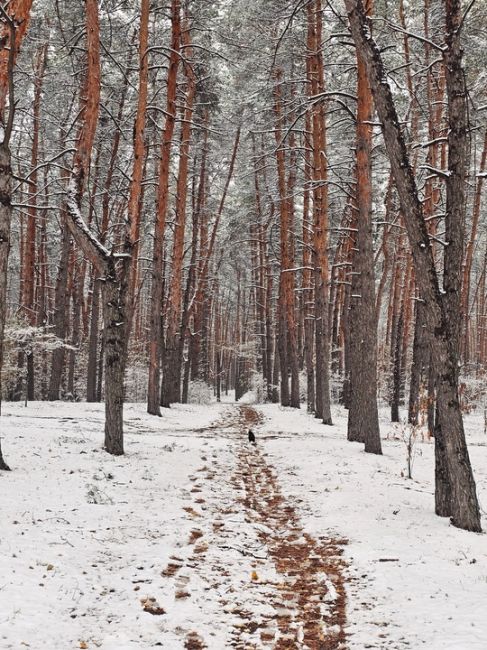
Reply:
x=441, y=314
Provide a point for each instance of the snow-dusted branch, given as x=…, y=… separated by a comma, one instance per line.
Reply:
x=86, y=240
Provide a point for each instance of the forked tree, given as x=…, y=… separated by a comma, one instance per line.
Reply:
x=113, y=266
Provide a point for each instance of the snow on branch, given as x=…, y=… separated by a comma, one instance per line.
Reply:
x=86, y=240
x=430, y=143
x=31, y=338
x=437, y=172
x=418, y=37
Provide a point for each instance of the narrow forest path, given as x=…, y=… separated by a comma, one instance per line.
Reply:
x=273, y=585
x=196, y=539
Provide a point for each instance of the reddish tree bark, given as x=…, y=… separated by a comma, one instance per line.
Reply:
x=442, y=313
x=320, y=220
x=155, y=338
x=172, y=367
x=13, y=26
x=363, y=416
x=29, y=261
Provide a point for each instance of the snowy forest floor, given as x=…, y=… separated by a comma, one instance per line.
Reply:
x=196, y=539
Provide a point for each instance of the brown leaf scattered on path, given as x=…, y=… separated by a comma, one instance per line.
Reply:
x=194, y=642
x=311, y=611
x=296, y=582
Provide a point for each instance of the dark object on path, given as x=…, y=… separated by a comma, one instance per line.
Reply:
x=251, y=437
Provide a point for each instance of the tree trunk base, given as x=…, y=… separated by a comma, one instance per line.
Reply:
x=373, y=447
x=3, y=464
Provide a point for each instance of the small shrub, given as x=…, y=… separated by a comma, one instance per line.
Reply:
x=199, y=392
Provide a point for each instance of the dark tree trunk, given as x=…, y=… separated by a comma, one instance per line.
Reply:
x=5, y=220
x=218, y=377
x=345, y=392
x=76, y=326
x=270, y=352
x=320, y=218
x=431, y=398
x=418, y=364
x=443, y=488
x=186, y=373
x=91, y=384
x=310, y=370
x=275, y=371
x=115, y=354
x=15, y=28
x=171, y=385
x=288, y=351
x=396, y=369
x=319, y=351
x=30, y=380
x=99, y=379
x=440, y=320
x=283, y=360
x=61, y=301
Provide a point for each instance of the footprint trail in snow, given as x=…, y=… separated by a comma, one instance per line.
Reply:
x=273, y=585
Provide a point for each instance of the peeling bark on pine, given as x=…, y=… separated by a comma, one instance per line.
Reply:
x=19, y=13
x=363, y=416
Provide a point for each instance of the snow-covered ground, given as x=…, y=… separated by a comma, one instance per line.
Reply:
x=84, y=536
x=420, y=582
x=86, y=539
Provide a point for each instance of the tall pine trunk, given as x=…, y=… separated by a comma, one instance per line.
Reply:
x=320, y=218
x=172, y=367
x=155, y=338
x=363, y=416
x=12, y=31
x=441, y=314
x=5, y=221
